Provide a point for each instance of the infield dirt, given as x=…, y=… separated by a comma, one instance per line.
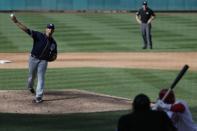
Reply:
x=152, y=60
x=58, y=102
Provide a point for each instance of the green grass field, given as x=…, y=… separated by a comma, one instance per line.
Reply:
x=101, y=32
x=172, y=32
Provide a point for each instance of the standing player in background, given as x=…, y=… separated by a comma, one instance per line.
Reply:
x=144, y=17
x=44, y=50
x=177, y=110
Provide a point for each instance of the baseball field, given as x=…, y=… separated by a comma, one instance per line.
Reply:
x=100, y=68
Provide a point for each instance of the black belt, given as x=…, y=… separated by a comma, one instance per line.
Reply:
x=37, y=57
x=34, y=56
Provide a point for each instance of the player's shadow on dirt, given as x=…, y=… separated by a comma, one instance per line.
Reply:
x=58, y=95
x=58, y=99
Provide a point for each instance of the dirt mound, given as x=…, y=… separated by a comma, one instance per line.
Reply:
x=57, y=102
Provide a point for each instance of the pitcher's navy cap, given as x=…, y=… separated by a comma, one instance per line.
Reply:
x=145, y=3
x=50, y=26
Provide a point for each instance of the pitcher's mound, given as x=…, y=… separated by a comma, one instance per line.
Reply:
x=57, y=102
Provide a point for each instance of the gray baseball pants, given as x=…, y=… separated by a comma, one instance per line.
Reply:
x=146, y=34
x=37, y=68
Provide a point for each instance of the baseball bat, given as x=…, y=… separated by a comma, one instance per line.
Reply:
x=177, y=79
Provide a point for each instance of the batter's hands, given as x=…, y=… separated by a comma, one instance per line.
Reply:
x=163, y=106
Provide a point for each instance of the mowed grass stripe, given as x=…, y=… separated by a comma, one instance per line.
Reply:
x=115, y=22
x=174, y=31
x=6, y=45
x=93, y=79
x=180, y=18
x=90, y=78
x=125, y=27
x=124, y=30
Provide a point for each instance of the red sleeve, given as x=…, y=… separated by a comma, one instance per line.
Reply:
x=177, y=108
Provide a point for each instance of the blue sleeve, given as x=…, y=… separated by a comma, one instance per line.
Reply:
x=32, y=33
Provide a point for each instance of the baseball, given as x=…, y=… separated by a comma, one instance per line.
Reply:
x=11, y=15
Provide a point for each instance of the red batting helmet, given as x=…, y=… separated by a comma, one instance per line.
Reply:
x=170, y=99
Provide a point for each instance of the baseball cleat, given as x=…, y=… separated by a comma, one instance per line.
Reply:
x=31, y=90
x=38, y=100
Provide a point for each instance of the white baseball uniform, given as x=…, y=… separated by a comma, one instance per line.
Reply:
x=183, y=120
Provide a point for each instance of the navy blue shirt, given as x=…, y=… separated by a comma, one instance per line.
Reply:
x=145, y=14
x=42, y=45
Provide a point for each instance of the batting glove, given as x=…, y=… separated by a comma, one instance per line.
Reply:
x=162, y=105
